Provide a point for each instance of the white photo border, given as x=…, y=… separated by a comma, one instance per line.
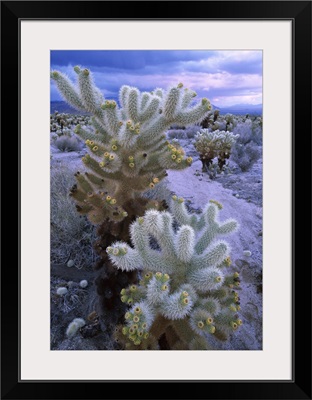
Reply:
x=274, y=361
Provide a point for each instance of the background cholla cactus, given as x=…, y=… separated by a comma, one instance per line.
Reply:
x=247, y=149
x=211, y=144
x=185, y=293
x=128, y=154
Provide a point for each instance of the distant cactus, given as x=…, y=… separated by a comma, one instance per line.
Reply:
x=247, y=149
x=212, y=144
x=127, y=154
x=185, y=293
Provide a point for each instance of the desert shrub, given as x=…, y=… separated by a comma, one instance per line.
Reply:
x=71, y=235
x=67, y=143
x=249, y=131
x=192, y=130
x=247, y=149
x=176, y=134
x=246, y=155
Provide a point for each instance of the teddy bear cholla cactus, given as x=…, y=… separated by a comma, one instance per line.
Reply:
x=185, y=292
x=127, y=152
x=211, y=144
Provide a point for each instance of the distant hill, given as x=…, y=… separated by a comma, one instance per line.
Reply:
x=239, y=109
x=63, y=107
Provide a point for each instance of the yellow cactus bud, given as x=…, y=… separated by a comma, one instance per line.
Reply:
x=144, y=325
x=174, y=197
x=111, y=156
x=189, y=160
x=138, y=310
x=155, y=180
x=212, y=329
x=123, y=298
x=232, y=308
x=120, y=123
x=180, y=85
x=185, y=301
x=234, y=325
x=237, y=284
x=179, y=160
x=209, y=321
x=130, y=301
x=108, y=198
x=125, y=330
x=236, y=274
x=218, y=279
x=152, y=185
x=113, y=201
x=131, y=158
x=146, y=335
x=127, y=315
x=200, y=324
x=185, y=294
x=166, y=277
x=239, y=322
x=123, y=291
x=131, y=165
x=116, y=251
x=164, y=288
x=95, y=148
x=136, y=318
x=137, y=131
x=87, y=141
x=106, y=154
x=102, y=164
x=140, y=221
x=158, y=275
x=124, y=214
x=133, y=288
x=114, y=147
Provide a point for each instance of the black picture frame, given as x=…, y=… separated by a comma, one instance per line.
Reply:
x=299, y=12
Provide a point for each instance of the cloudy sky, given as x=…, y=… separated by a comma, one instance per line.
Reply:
x=225, y=77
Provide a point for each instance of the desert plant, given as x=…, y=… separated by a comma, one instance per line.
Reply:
x=67, y=143
x=71, y=235
x=247, y=149
x=185, y=293
x=128, y=154
x=245, y=156
x=211, y=144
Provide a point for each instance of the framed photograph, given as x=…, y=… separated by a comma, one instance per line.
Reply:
x=158, y=237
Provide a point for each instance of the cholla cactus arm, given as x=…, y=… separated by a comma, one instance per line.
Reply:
x=67, y=90
x=207, y=219
x=184, y=279
x=88, y=92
